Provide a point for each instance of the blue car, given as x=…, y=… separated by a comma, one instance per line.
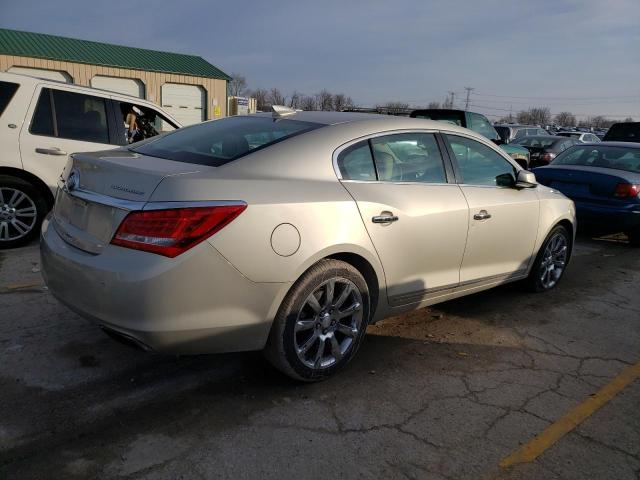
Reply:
x=603, y=179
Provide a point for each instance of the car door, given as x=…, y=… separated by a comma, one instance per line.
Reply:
x=62, y=122
x=415, y=214
x=503, y=220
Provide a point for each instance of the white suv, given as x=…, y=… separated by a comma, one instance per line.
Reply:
x=41, y=122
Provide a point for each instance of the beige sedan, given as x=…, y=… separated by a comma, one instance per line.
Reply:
x=292, y=231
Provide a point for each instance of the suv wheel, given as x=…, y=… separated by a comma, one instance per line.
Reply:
x=321, y=322
x=22, y=209
x=551, y=260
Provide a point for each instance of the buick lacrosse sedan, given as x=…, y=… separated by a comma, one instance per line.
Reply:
x=291, y=232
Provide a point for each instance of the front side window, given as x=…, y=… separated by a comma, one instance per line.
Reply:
x=80, y=117
x=356, y=163
x=142, y=122
x=480, y=124
x=222, y=141
x=481, y=165
x=7, y=90
x=408, y=157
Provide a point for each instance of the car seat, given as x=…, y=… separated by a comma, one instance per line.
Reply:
x=234, y=145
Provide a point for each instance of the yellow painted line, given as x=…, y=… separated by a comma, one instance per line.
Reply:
x=530, y=451
x=22, y=286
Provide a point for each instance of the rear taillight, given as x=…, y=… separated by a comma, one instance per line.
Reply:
x=547, y=157
x=626, y=190
x=173, y=231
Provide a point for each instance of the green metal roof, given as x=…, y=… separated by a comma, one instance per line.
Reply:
x=52, y=47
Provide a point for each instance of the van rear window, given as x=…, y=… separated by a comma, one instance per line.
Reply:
x=222, y=141
x=7, y=90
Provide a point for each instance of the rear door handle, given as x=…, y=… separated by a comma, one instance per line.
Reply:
x=482, y=215
x=385, y=217
x=50, y=151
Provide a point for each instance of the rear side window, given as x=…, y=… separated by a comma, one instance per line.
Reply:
x=70, y=115
x=81, y=117
x=7, y=90
x=408, y=157
x=222, y=141
x=42, y=121
x=356, y=163
x=480, y=124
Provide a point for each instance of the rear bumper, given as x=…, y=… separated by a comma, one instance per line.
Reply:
x=194, y=303
x=608, y=218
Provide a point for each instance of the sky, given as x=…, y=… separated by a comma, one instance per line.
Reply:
x=581, y=56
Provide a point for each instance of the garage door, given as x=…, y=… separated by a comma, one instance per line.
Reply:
x=187, y=103
x=58, y=75
x=128, y=86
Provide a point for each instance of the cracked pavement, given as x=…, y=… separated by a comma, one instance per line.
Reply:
x=440, y=393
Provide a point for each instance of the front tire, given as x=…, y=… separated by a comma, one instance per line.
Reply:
x=321, y=322
x=22, y=209
x=551, y=261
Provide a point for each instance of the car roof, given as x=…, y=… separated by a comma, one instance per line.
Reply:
x=615, y=144
x=335, y=118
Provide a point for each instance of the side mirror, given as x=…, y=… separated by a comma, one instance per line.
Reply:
x=526, y=179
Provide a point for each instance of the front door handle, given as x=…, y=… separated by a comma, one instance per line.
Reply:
x=385, y=217
x=50, y=151
x=482, y=215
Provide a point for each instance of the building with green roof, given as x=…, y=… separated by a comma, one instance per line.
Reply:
x=187, y=86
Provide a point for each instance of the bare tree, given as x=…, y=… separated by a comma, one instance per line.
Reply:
x=308, y=103
x=434, y=105
x=324, y=100
x=339, y=102
x=507, y=118
x=275, y=97
x=535, y=116
x=628, y=119
x=295, y=100
x=237, y=85
x=261, y=95
x=566, y=119
x=448, y=102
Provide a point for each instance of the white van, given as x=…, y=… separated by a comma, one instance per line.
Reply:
x=41, y=123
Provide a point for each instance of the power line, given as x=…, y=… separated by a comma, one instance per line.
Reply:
x=469, y=90
x=556, y=98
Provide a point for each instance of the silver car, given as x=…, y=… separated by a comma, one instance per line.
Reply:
x=291, y=232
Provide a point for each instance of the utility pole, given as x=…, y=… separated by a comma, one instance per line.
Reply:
x=451, y=99
x=469, y=90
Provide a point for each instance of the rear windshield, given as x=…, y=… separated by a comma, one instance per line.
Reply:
x=618, y=158
x=7, y=89
x=540, y=142
x=221, y=141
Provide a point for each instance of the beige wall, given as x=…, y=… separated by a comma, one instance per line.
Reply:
x=153, y=81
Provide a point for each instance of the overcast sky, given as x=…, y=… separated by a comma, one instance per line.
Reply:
x=576, y=55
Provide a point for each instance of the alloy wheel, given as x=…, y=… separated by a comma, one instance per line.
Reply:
x=554, y=260
x=18, y=214
x=328, y=323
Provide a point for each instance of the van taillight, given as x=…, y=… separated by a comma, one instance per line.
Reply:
x=173, y=231
x=626, y=190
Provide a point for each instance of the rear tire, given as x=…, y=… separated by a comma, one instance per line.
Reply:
x=551, y=261
x=22, y=209
x=321, y=322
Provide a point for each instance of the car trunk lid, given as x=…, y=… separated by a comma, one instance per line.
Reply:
x=98, y=189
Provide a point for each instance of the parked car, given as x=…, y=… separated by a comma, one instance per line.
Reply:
x=509, y=132
x=545, y=148
x=623, y=132
x=580, y=136
x=479, y=124
x=292, y=232
x=42, y=122
x=604, y=181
